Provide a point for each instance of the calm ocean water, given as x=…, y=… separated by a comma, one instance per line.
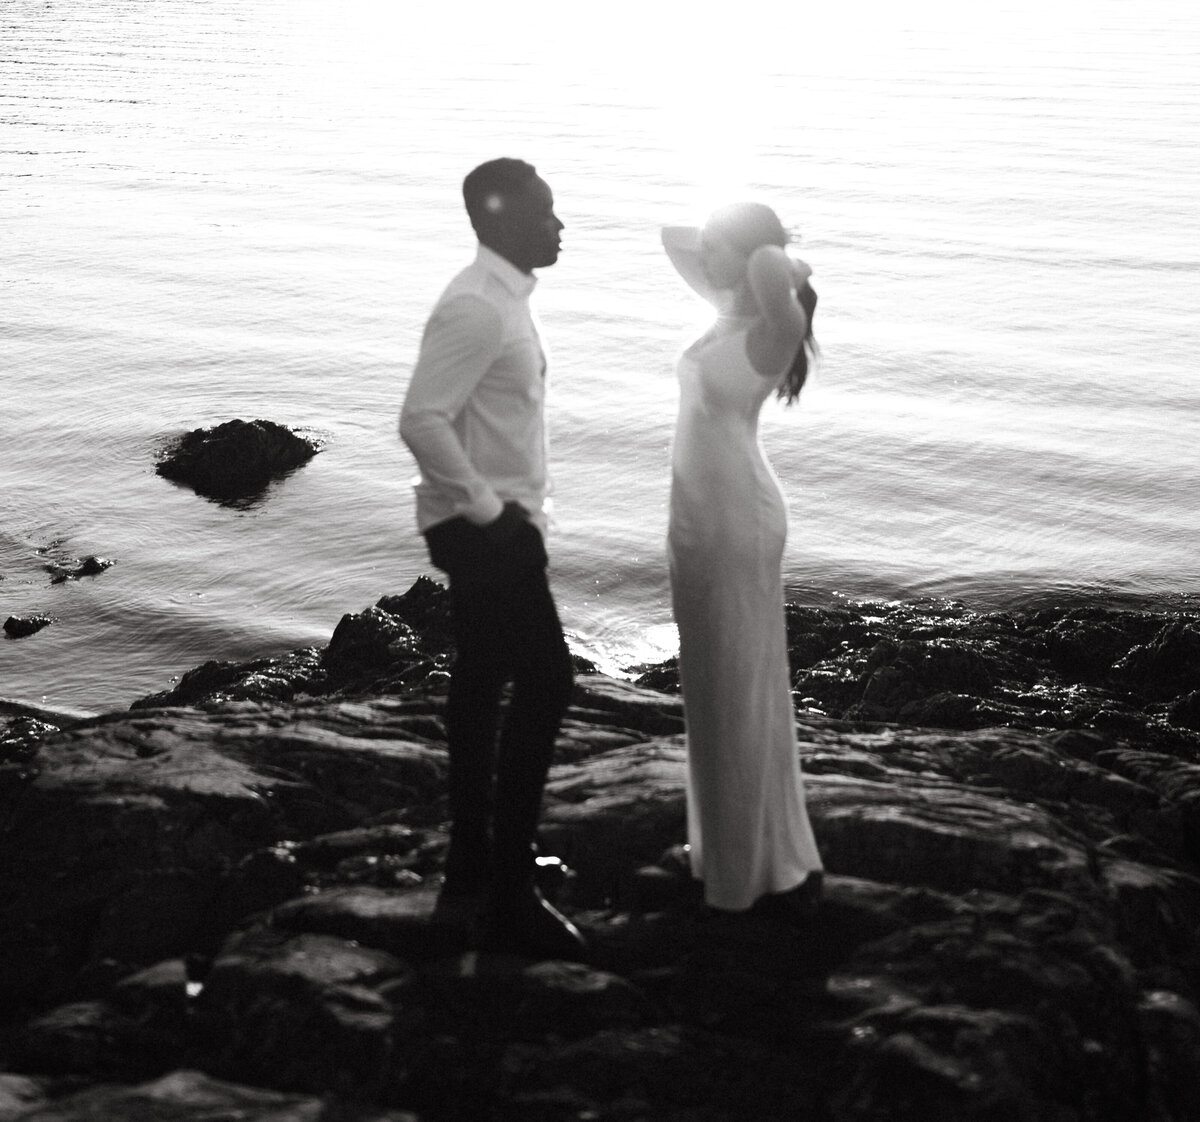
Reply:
x=245, y=208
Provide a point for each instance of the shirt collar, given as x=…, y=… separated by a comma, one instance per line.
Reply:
x=517, y=282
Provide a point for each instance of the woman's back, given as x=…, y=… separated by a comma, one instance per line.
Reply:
x=724, y=495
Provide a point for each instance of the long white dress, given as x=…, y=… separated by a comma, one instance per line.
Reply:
x=748, y=825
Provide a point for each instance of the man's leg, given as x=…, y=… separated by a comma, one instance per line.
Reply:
x=521, y=920
x=472, y=722
x=473, y=705
x=505, y=624
x=542, y=683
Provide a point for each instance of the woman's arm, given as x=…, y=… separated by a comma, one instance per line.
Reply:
x=773, y=276
x=682, y=244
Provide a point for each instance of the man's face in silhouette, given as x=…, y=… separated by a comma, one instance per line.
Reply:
x=522, y=226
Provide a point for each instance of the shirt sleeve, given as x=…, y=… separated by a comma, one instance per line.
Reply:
x=462, y=339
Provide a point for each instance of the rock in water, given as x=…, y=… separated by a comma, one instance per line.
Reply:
x=235, y=460
x=17, y=627
x=88, y=566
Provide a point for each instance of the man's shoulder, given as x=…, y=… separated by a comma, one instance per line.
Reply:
x=465, y=314
x=464, y=308
x=480, y=282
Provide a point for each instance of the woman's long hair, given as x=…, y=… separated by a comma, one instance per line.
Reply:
x=793, y=381
x=746, y=226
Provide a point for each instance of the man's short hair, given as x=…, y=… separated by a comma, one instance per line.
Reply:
x=494, y=179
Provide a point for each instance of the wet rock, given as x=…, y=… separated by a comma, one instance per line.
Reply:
x=1010, y=926
x=662, y=1071
x=19, y=1095
x=425, y=607
x=119, y=843
x=89, y=1038
x=151, y=913
x=157, y=996
x=192, y=1096
x=87, y=567
x=400, y=642
x=609, y=814
x=939, y=710
x=20, y=737
x=372, y=644
x=898, y=674
x=300, y=1012
x=1185, y=712
x=19, y=627
x=506, y=998
x=630, y=705
x=975, y=1027
x=1167, y=665
x=1076, y=666
x=1171, y=1025
x=832, y=686
x=949, y=838
x=1084, y=646
x=662, y=676
x=332, y=851
x=400, y=923
x=263, y=679
x=259, y=881
x=235, y=460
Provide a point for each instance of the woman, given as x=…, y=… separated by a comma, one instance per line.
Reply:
x=748, y=830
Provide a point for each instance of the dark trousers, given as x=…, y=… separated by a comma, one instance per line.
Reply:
x=506, y=629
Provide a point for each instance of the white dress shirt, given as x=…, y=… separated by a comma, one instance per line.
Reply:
x=473, y=416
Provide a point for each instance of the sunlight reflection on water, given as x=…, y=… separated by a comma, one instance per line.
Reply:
x=247, y=209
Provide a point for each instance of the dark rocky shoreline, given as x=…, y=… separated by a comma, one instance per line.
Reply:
x=216, y=904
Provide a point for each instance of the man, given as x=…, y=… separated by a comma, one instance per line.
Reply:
x=473, y=418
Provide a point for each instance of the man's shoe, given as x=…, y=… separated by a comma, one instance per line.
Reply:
x=552, y=877
x=522, y=922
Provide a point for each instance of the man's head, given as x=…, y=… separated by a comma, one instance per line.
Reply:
x=512, y=211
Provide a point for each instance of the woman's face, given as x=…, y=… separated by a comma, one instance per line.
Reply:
x=724, y=266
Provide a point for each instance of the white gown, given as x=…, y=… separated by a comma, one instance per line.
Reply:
x=748, y=826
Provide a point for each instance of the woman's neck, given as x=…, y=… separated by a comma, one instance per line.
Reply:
x=736, y=305
x=742, y=304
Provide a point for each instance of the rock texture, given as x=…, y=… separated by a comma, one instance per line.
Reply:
x=89, y=566
x=19, y=627
x=219, y=902
x=236, y=460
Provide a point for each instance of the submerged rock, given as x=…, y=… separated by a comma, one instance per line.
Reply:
x=235, y=460
x=86, y=567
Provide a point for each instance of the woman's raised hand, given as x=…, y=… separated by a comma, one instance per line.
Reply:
x=773, y=283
